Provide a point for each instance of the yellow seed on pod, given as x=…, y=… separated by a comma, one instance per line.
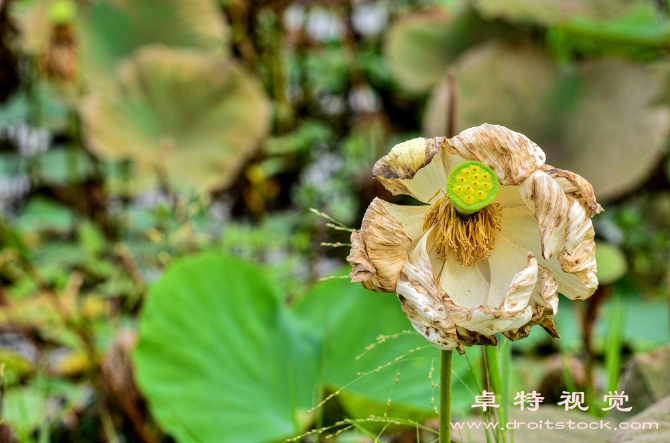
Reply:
x=486, y=176
x=469, y=190
x=466, y=173
x=475, y=169
x=481, y=195
x=476, y=185
x=476, y=177
x=458, y=190
x=461, y=180
x=468, y=199
x=487, y=186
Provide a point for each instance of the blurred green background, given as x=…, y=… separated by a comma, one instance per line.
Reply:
x=162, y=277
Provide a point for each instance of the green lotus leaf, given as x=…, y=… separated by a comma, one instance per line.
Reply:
x=113, y=30
x=194, y=117
x=601, y=119
x=351, y=325
x=218, y=354
x=420, y=46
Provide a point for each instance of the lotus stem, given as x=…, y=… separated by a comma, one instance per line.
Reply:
x=445, y=396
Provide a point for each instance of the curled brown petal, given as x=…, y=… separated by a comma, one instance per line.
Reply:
x=578, y=256
x=511, y=155
x=398, y=169
x=380, y=245
x=550, y=206
x=544, y=305
x=362, y=270
x=472, y=338
x=575, y=186
x=423, y=301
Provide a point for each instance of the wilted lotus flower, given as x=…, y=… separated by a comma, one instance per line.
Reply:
x=502, y=233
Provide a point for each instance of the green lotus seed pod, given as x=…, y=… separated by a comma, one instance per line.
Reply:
x=472, y=186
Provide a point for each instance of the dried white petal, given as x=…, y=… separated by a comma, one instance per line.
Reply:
x=513, y=276
x=578, y=256
x=544, y=305
x=511, y=155
x=419, y=167
x=550, y=206
x=411, y=218
x=465, y=286
x=575, y=186
x=423, y=302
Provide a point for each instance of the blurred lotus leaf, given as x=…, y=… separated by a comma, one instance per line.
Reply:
x=216, y=328
x=420, y=46
x=113, y=30
x=612, y=263
x=655, y=428
x=188, y=115
x=553, y=12
x=601, y=119
x=646, y=379
x=598, y=27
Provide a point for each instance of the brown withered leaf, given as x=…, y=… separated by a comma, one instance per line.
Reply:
x=420, y=46
x=599, y=119
x=193, y=117
x=111, y=31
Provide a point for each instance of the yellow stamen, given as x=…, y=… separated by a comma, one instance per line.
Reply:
x=471, y=237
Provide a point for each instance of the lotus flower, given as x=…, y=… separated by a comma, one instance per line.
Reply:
x=500, y=234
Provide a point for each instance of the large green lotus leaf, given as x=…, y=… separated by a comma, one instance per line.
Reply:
x=195, y=117
x=420, y=46
x=600, y=119
x=218, y=354
x=217, y=358
x=350, y=318
x=113, y=30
